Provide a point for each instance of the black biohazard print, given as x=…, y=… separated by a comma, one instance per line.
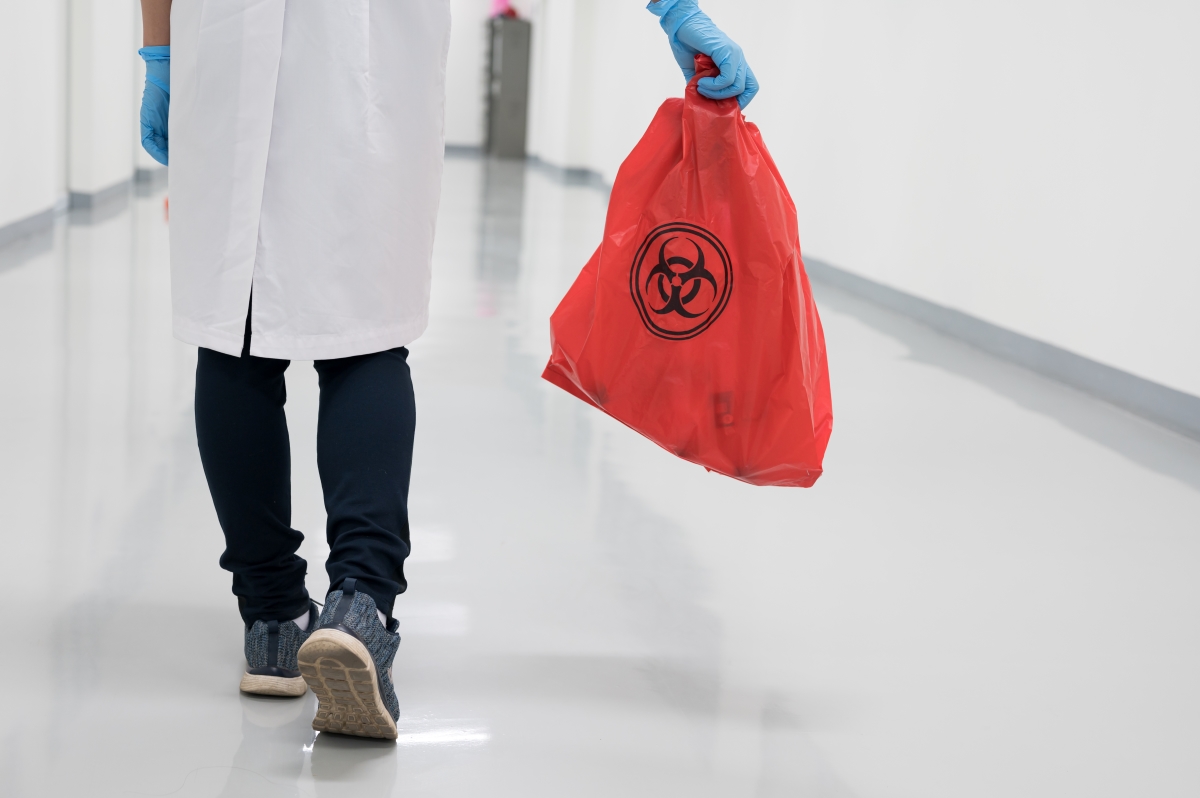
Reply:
x=681, y=280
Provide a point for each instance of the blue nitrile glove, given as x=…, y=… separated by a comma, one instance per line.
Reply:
x=156, y=101
x=691, y=31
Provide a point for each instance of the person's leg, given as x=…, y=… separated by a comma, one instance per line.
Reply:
x=364, y=452
x=244, y=446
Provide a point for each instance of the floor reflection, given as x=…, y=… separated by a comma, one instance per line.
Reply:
x=277, y=742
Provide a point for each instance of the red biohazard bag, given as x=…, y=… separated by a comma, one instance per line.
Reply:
x=694, y=323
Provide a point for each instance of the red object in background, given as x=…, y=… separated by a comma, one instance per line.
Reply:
x=694, y=323
x=502, y=8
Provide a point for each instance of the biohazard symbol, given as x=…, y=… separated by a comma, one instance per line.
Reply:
x=693, y=277
x=681, y=280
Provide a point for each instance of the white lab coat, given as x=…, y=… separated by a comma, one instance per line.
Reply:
x=306, y=160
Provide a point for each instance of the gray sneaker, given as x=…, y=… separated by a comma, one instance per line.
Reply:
x=347, y=662
x=271, y=648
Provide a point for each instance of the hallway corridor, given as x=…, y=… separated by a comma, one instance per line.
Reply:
x=991, y=593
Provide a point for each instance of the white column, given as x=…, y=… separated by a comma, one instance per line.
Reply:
x=101, y=126
x=32, y=59
x=558, y=109
x=465, y=72
x=600, y=71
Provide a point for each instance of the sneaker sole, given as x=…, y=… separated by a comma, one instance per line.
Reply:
x=273, y=685
x=340, y=672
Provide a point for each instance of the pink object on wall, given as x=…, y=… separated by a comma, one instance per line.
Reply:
x=499, y=7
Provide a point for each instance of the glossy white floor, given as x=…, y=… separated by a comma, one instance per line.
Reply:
x=992, y=592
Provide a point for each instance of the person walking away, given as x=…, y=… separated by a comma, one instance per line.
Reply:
x=305, y=144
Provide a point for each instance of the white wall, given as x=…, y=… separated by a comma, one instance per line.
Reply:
x=32, y=107
x=465, y=72
x=1033, y=164
x=102, y=127
x=69, y=90
x=601, y=69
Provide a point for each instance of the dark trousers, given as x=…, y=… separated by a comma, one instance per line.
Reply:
x=365, y=431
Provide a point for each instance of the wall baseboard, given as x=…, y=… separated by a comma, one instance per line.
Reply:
x=569, y=175
x=90, y=200
x=149, y=175
x=14, y=231
x=464, y=151
x=1165, y=406
x=73, y=201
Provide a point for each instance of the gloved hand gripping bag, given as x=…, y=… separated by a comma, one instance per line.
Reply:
x=694, y=323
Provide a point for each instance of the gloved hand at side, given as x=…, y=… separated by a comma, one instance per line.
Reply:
x=690, y=32
x=156, y=101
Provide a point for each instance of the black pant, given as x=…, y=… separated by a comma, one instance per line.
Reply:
x=365, y=431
